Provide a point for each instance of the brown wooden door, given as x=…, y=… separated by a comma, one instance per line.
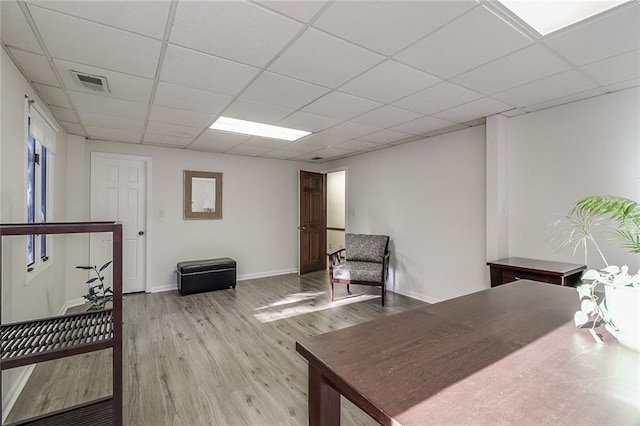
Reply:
x=313, y=222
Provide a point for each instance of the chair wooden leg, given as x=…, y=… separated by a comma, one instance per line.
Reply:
x=348, y=291
x=383, y=292
x=331, y=289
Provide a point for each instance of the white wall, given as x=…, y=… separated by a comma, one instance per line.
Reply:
x=429, y=197
x=558, y=155
x=260, y=205
x=43, y=292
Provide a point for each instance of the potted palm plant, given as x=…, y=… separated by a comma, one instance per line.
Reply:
x=619, y=309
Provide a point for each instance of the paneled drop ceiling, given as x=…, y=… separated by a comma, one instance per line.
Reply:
x=361, y=75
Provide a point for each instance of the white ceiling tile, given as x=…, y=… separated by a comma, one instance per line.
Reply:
x=389, y=81
x=281, y=154
x=72, y=128
x=600, y=38
x=248, y=150
x=64, y=114
x=423, y=125
x=245, y=109
x=341, y=106
x=557, y=86
x=142, y=17
x=217, y=141
x=444, y=130
x=300, y=10
x=327, y=153
x=166, y=140
x=385, y=136
x=307, y=121
x=386, y=116
x=14, y=28
x=438, y=98
x=121, y=86
x=321, y=140
x=97, y=45
x=624, y=85
x=36, y=66
x=615, y=69
x=131, y=124
x=322, y=59
x=351, y=130
x=357, y=145
x=180, y=117
x=302, y=147
x=266, y=142
x=565, y=100
x=158, y=128
x=472, y=40
x=473, y=110
x=284, y=91
x=231, y=29
x=388, y=26
x=175, y=96
x=105, y=105
x=103, y=133
x=52, y=95
x=201, y=71
x=530, y=64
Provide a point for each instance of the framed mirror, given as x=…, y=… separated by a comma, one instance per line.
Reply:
x=202, y=195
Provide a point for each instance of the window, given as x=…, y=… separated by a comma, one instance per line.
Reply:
x=40, y=139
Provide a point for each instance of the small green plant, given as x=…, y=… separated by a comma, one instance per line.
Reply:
x=621, y=218
x=99, y=294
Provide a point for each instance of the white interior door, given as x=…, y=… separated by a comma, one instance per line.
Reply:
x=119, y=192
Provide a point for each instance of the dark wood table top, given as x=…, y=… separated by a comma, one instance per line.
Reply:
x=535, y=265
x=508, y=355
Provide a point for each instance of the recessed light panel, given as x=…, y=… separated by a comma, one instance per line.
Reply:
x=244, y=127
x=547, y=16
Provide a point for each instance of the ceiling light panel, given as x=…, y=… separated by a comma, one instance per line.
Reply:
x=549, y=16
x=257, y=129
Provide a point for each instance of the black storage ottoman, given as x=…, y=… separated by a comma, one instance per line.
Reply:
x=197, y=276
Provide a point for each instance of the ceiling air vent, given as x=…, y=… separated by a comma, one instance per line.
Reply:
x=89, y=81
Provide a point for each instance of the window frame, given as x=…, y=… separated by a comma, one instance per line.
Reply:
x=39, y=191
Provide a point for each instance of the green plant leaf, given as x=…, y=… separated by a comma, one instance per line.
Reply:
x=591, y=274
x=87, y=268
x=588, y=306
x=105, y=266
x=580, y=318
x=584, y=290
x=91, y=280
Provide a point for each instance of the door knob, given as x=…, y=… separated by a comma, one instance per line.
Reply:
x=141, y=233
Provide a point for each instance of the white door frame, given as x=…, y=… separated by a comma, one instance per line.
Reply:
x=95, y=155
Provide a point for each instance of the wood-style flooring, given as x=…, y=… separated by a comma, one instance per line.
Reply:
x=219, y=358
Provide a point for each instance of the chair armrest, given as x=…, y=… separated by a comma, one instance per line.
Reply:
x=334, y=257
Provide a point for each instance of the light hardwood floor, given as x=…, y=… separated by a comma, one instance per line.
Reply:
x=219, y=358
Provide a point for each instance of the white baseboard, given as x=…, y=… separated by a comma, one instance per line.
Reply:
x=161, y=288
x=267, y=274
x=10, y=398
x=172, y=287
x=415, y=295
x=71, y=303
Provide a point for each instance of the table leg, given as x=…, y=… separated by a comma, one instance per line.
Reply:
x=324, y=401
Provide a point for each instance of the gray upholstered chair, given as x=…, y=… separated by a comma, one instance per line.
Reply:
x=365, y=262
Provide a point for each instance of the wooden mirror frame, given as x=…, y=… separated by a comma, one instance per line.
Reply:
x=189, y=175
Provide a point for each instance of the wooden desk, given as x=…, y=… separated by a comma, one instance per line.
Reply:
x=519, y=268
x=507, y=355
